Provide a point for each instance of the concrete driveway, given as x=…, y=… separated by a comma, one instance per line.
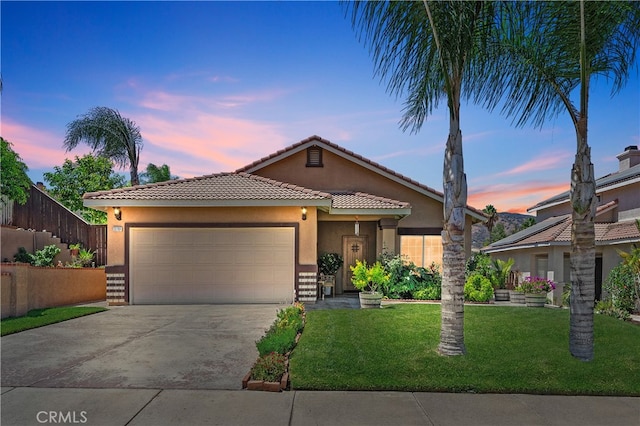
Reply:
x=149, y=347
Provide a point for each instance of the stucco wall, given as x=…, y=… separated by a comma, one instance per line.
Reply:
x=167, y=216
x=27, y=287
x=340, y=174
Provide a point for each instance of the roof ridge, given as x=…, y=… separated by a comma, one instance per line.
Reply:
x=356, y=156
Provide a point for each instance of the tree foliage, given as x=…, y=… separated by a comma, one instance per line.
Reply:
x=109, y=135
x=85, y=174
x=156, y=174
x=14, y=182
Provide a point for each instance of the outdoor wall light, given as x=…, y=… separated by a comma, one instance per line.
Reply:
x=117, y=213
x=304, y=213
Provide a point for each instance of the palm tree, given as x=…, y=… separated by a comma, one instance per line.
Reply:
x=156, y=174
x=430, y=50
x=492, y=216
x=550, y=49
x=109, y=135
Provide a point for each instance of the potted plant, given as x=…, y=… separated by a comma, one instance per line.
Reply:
x=85, y=257
x=535, y=290
x=368, y=280
x=517, y=295
x=499, y=277
x=75, y=249
x=328, y=265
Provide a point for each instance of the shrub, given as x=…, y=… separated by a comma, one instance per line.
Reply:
x=372, y=277
x=479, y=263
x=606, y=307
x=408, y=281
x=270, y=367
x=280, y=340
x=478, y=288
x=621, y=288
x=281, y=336
x=45, y=256
x=329, y=263
x=22, y=256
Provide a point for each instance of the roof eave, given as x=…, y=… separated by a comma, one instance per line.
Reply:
x=207, y=203
x=370, y=212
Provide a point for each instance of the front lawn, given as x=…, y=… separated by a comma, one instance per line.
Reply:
x=40, y=317
x=509, y=350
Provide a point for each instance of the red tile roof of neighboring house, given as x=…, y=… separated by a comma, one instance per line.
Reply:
x=559, y=232
x=351, y=200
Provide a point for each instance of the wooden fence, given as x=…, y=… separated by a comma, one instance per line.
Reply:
x=42, y=212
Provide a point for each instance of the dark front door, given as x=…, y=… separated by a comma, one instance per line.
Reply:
x=353, y=248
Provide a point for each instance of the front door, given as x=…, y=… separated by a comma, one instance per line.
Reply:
x=353, y=248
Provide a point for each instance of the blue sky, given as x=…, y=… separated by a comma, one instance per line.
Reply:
x=217, y=85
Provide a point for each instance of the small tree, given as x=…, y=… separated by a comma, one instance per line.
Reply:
x=86, y=174
x=156, y=174
x=14, y=182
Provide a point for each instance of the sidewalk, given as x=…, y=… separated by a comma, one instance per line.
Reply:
x=154, y=407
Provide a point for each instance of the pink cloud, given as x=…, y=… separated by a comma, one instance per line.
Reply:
x=546, y=161
x=38, y=148
x=516, y=197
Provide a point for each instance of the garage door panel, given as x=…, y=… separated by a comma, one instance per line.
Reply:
x=212, y=265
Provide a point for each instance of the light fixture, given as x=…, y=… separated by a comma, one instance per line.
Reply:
x=117, y=213
x=304, y=213
x=357, y=227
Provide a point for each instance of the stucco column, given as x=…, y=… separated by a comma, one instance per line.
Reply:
x=389, y=232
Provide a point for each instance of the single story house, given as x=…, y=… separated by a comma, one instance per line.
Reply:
x=543, y=249
x=254, y=235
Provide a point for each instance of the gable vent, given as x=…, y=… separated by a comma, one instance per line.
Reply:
x=314, y=156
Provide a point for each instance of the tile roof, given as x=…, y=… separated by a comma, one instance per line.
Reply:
x=222, y=186
x=241, y=187
x=347, y=153
x=558, y=231
x=361, y=200
x=629, y=175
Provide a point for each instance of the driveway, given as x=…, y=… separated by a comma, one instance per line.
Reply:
x=152, y=347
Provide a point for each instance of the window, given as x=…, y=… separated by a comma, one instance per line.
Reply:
x=542, y=266
x=314, y=156
x=422, y=249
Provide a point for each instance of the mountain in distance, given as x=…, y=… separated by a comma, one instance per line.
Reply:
x=510, y=221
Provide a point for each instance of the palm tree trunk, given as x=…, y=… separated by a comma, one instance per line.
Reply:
x=454, y=256
x=583, y=249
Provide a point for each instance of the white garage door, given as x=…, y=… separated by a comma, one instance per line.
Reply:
x=211, y=265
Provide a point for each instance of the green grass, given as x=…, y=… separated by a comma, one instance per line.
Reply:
x=509, y=350
x=41, y=317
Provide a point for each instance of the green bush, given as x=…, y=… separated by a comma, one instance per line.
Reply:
x=478, y=289
x=408, y=281
x=606, y=307
x=45, y=256
x=621, y=288
x=22, y=256
x=270, y=367
x=479, y=263
x=281, y=336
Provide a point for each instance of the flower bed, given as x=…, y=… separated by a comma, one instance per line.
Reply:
x=270, y=371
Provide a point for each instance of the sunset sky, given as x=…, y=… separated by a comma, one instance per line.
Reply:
x=217, y=85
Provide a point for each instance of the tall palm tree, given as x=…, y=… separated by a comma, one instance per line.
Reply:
x=492, y=217
x=549, y=50
x=430, y=51
x=110, y=135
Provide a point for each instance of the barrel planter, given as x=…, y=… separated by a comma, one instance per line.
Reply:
x=535, y=300
x=501, y=295
x=516, y=297
x=370, y=300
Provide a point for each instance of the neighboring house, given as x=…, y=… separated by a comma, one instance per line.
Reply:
x=255, y=235
x=543, y=249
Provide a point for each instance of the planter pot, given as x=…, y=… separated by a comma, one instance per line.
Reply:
x=501, y=295
x=535, y=300
x=516, y=297
x=370, y=300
